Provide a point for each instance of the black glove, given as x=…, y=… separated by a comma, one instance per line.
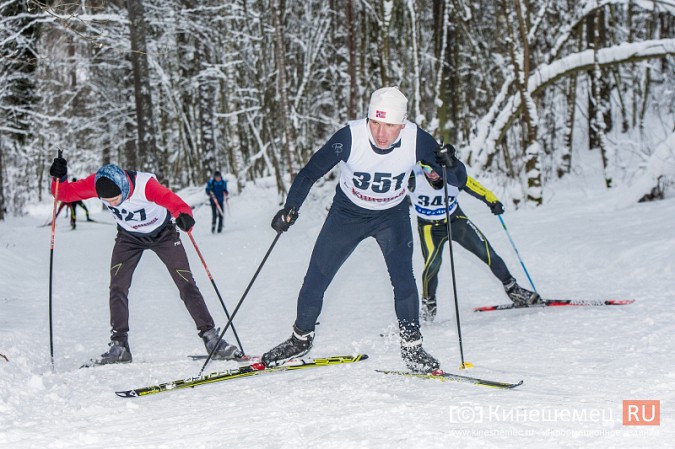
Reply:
x=185, y=222
x=59, y=169
x=284, y=219
x=445, y=155
x=497, y=208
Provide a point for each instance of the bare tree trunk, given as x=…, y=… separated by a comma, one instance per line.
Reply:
x=207, y=161
x=147, y=146
x=2, y=181
x=289, y=138
x=528, y=107
x=598, y=128
x=232, y=141
x=568, y=139
x=351, y=45
x=383, y=41
x=441, y=99
x=414, y=39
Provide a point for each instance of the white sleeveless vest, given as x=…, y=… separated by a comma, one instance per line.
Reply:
x=428, y=202
x=137, y=214
x=378, y=181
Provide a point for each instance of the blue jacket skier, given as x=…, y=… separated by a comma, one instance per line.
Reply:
x=376, y=156
x=216, y=189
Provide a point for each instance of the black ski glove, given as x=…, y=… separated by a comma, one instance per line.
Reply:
x=497, y=208
x=59, y=169
x=284, y=219
x=185, y=222
x=445, y=155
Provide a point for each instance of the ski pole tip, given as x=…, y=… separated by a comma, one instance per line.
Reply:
x=466, y=365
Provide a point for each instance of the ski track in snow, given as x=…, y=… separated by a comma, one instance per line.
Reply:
x=578, y=364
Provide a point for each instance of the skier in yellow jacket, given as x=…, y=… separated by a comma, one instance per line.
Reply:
x=429, y=206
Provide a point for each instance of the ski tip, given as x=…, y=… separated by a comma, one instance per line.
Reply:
x=126, y=394
x=485, y=309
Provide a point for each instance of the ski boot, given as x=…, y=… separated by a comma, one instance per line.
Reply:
x=415, y=357
x=118, y=352
x=520, y=296
x=297, y=345
x=225, y=351
x=428, y=309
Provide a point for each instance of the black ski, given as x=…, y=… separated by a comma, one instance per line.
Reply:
x=253, y=369
x=558, y=303
x=447, y=377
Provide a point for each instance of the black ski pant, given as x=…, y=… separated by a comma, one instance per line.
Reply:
x=127, y=253
x=216, y=215
x=434, y=235
x=73, y=211
x=344, y=228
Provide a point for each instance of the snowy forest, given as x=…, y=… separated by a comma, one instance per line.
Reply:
x=253, y=88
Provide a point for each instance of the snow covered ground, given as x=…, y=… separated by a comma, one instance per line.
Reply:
x=578, y=364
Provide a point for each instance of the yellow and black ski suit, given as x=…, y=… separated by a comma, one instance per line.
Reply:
x=429, y=206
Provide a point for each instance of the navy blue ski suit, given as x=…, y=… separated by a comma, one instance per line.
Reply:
x=348, y=224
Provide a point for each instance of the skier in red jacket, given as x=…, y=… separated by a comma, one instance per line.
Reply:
x=142, y=208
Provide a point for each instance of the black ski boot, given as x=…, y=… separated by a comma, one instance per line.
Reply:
x=297, y=345
x=118, y=352
x=520, y=296
x=415, y=357
x=225, y=350
x=428, y=309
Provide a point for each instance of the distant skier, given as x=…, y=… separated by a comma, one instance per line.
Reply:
x=216, y=189
x=72, y=208
x=376, y=156
x=142, y=208
x=429, y=206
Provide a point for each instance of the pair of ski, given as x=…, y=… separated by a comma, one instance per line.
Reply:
x=558, y=303
x=257, y=368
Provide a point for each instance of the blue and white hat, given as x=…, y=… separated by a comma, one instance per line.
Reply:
x=111, y=181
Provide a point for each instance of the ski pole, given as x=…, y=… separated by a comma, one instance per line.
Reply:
x=215, y=201
x=464, y=364
x=51, y=267
x=236, y=309
x=208, y=273
x=522, y=264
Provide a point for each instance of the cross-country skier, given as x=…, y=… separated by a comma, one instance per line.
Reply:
x=142, y=208
x=376, y=155
x=429, y=206
x=72, y=207
x=216, y=189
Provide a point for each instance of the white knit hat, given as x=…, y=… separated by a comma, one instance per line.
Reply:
x=388, y=105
